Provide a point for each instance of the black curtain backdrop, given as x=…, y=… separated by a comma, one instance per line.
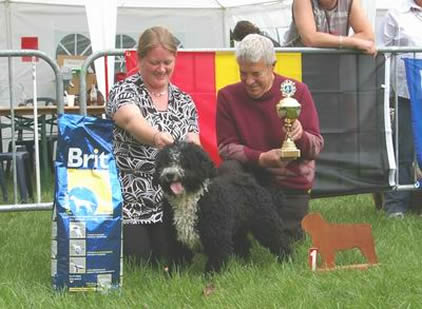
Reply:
x=348, y=93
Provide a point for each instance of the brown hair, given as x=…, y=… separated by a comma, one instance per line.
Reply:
x=243, y=28
x=156, y=36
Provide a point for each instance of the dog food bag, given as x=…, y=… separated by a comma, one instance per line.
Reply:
x=86, y=251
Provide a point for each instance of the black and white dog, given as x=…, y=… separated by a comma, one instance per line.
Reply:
x=215, y=211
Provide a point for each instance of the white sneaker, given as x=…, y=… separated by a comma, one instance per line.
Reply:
x=398, y=215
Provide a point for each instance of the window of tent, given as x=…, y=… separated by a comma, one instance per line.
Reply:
x=74, y=44
x=123, y=41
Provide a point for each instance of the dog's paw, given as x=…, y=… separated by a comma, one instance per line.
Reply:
x=214, y=266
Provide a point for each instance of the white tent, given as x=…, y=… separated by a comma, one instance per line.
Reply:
x=61, y=27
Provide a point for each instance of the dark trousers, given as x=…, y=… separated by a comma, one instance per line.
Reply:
x=145, y=242
x=399, y=201
x=292, y=207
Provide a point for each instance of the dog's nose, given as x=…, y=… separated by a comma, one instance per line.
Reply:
x=169, y=177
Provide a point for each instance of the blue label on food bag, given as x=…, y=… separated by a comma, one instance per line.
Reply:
x=86, y=240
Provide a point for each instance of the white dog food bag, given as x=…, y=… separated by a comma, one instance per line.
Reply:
x=86, y=248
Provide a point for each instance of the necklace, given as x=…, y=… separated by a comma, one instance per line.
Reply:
x=158, y=94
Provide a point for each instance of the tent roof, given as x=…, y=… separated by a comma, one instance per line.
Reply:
x=217, y=4
x=162, y=3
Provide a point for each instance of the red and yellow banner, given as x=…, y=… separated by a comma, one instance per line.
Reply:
x=202, y=74
x=349, y=96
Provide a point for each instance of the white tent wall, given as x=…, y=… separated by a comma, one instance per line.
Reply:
x=195, y=28
x=273, y=18
x=370, y=7
x=196, y=23
x=50, y=23
x=3, y=25
x=382, y=8
x=3, y=45
x=102, y=19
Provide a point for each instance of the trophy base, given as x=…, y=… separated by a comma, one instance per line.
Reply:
x=290, y=154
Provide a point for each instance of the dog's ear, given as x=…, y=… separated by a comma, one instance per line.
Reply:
x=200, y=160
x=207, y=164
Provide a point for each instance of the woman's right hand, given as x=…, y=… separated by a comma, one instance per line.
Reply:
x=129, y=118
x=367, y=46
x=162, y=139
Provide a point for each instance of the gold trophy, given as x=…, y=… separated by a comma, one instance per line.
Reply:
x=288, y=109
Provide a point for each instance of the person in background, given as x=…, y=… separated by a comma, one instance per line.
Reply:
x=244, y=27
x=149, y=113
x=250, y=133
x=326, y=23
x=402, y=27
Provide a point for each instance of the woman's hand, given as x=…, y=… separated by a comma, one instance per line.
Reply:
x=366, y=46
x=193, y=138
x=129, y=118
x=162, y=139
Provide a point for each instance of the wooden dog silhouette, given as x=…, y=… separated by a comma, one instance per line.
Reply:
x=330, y=238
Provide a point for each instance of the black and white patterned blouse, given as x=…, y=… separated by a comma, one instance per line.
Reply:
x=142, y=200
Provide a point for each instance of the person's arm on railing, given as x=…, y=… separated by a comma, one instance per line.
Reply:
x=363, y=39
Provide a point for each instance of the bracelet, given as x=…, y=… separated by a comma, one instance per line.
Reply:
x=340, y=41
x=153, y=138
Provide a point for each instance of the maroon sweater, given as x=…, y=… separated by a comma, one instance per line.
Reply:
x=247, y=127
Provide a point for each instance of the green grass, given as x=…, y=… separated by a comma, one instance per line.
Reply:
x=47, y=190
x=260, y=282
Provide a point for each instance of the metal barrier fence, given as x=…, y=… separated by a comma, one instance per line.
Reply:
x=120, y=52
x=387, y=51
x=59, y=99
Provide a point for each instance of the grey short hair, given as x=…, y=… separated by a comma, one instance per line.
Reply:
x=255, y=47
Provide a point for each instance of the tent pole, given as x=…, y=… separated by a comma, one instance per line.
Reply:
x=226, y=38
x=106, y=77
x=8, y=25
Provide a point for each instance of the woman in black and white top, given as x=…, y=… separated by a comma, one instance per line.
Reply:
x=149, y=113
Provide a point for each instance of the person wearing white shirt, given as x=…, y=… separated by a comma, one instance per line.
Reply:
x=402, y=27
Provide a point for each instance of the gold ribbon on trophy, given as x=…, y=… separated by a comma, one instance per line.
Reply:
x=288, y=109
